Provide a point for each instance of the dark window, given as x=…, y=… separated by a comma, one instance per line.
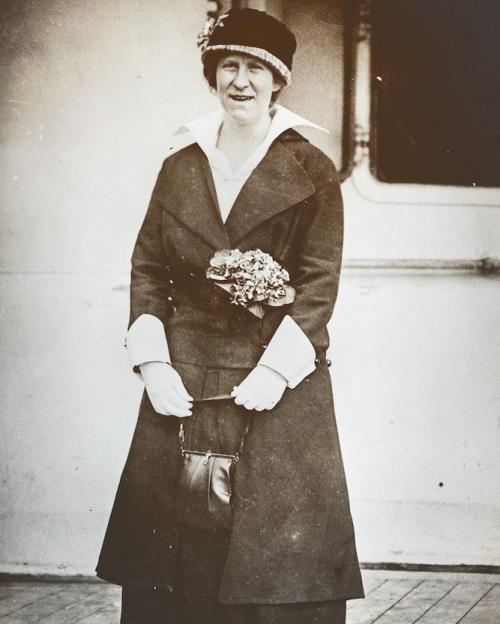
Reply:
x=436, y=86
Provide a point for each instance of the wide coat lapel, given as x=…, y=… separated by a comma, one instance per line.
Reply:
x=210, y=224
x=188, y=192
x=277, y=183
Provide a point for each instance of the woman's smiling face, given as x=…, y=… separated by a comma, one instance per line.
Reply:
x=245, y=86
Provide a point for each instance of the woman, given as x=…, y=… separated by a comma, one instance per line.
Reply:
x=240, y=178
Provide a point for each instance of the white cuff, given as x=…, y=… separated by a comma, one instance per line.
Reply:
x=146, y=341
x=290, y=352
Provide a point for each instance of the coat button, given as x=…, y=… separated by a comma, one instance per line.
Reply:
x=316, y=361
x=264, y=346
x=170, y=588
x=328, y=363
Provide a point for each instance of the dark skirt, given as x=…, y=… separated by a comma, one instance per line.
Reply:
x=201, y=554
x=194, y=597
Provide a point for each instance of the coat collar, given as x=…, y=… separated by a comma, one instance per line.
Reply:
x=277, y=182
x=205, y=131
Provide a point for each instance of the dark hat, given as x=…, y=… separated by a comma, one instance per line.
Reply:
x=251, y=32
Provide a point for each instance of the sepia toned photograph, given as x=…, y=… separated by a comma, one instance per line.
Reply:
x=250, y=303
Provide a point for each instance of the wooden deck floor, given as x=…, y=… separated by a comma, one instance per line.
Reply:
x=392, y=598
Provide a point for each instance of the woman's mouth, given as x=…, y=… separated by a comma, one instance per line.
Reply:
x=241, y=98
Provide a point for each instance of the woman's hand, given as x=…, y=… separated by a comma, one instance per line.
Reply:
x=165, y=389
x=260, y=390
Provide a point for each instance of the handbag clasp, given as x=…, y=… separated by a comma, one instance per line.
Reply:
x=207, y=457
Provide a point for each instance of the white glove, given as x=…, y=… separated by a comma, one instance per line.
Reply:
x=261, y=389
x=165, y=389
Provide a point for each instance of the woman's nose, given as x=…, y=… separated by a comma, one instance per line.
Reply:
x=241, y=78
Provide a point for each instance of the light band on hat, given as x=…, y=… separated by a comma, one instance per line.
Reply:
x=259, y=53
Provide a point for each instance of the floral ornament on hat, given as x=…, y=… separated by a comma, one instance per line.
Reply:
x=210, y=25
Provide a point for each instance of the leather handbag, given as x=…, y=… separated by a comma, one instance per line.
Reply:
x=206, y=486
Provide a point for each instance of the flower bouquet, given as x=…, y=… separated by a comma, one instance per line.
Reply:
x=252, y=278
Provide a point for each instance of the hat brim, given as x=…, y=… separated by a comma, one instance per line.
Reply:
x=259, y=53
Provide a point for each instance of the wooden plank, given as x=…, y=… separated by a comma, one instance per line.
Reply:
x=487, y=610
x=455, y=604
x=380, y=600
x=97, y=602
x=371, y=584
x=38, y=609
x=456, y=577
x=25, y=596
x=9, y=589
x=108, y=614
x=416, y=603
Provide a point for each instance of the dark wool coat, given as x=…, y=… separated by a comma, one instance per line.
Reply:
x=292, y=536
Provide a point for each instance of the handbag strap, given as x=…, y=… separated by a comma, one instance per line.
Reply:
x=237, y=455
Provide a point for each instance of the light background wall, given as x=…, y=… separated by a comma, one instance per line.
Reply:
x=91, y=92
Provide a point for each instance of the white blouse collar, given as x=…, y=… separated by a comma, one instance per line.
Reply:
x=204, y=130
